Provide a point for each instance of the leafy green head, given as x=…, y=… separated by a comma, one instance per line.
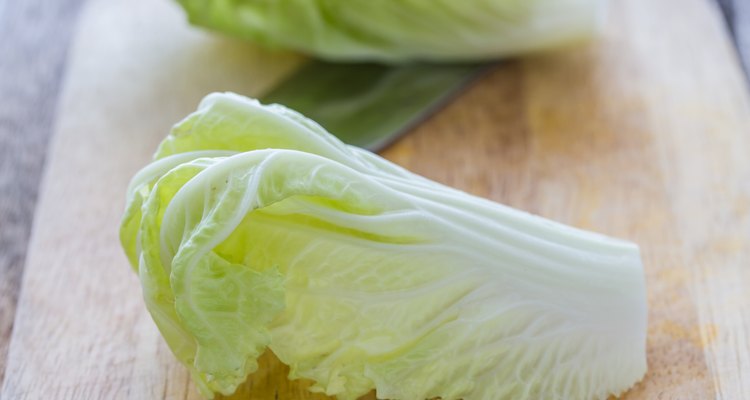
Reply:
x=403, y=30
x=254, y=228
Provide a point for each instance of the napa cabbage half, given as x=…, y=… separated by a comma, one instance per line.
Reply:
x=254, y=228
x=403, y=30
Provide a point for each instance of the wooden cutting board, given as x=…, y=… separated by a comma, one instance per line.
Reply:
x=643, y=135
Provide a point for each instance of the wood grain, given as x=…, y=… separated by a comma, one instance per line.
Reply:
x=31, y=64
x=642, y=135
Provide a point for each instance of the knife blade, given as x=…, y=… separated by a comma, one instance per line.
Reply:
x=371, y=105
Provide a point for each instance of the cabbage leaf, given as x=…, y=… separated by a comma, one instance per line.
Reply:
x=254, y=228
x=402, y=30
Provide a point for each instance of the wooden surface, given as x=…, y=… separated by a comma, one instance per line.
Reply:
x=32, y=56
x=642, y=135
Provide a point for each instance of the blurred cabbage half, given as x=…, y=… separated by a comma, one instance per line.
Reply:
x=402, y=30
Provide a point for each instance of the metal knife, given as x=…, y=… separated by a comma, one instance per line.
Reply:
x=370, y=105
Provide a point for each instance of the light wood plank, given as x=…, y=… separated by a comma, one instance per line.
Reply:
x=34, y=37
x=642, y=135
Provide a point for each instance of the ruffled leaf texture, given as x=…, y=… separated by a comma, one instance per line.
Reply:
x=396, y=31
x=254, y=228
